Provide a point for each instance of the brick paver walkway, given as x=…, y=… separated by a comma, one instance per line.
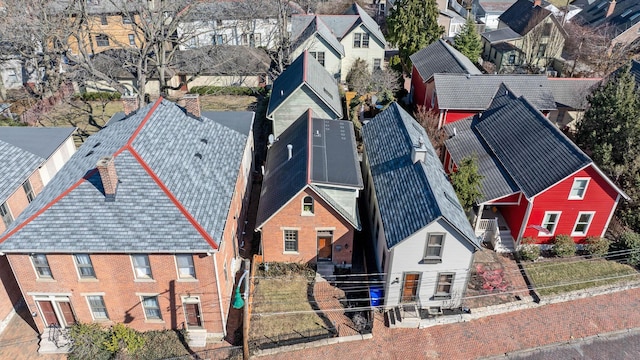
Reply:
x=20, y=342
x=328, y=298
x=492, y=335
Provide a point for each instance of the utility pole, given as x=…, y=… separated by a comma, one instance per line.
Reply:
x=245, y=319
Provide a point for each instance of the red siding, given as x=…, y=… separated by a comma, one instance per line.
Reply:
x=455, y=115
x=507, y=199
x=600, y=197
x=514, y=216
x=418, y=88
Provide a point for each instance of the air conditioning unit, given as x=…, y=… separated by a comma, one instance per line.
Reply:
x=552, y=73
x=434, y=310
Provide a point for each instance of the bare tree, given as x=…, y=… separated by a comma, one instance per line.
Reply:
x=430, y=121
x=590, y=51
x=542, y=44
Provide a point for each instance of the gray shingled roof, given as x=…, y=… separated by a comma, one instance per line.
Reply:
x=441, y=57
x=305, y=70
x=500, y=35
x=522, y=16
x=305, y=26
x=171, y=167
x=572, y=92
x=410, y=195
x=495, y=5
x=625, y=15
x=324, y=153
x=533, y=151
x=475, y=92
x=23, y=150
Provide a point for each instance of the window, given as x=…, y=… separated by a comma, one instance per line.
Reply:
x=512, y=59
x=85, y=267
x=219, y=39
x=377, y=64
x=218, y=23
x=582, y=223
x=357, y=40
x=132, y=40
x=102, y=40
x=252, y=40
x=185, y=266
x=28, y=190
x=542, y=48
x=365, y=40
x=318, y=55
x=433, y=250
x=126, y=20
x=307, y=205
x=444, y=286
x=42, y=265
x=381, y=7
x=5, y=214
x=103, y=20
x=578, y=189
x=549, y=222
x=151, y=308
x=98, y=309
x=141, y=266
x=291, y=240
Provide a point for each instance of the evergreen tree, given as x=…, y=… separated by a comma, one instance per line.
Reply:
x=466, y=182
x=610, y=133
x=412, y=25
x=468, y=42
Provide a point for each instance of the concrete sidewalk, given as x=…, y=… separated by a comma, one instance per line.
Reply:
x=493, y=335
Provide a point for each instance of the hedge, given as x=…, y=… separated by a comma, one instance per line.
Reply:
x=95, y=96
x=225, y=90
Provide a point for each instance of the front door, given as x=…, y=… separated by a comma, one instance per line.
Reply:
x=325, y=241
x=192, y=313
x=410, y=287
x=67, y=313
x=48, y=314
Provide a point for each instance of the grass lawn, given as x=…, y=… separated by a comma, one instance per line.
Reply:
x=286, y=293
x=547, y=276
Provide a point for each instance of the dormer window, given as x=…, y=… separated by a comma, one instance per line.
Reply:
x=307, y=205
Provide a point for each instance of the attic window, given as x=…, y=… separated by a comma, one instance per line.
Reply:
x=198, y=155
x=327, y=92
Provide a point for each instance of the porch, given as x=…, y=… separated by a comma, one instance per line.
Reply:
x=493, y=229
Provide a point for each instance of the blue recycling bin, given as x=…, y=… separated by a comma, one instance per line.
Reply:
x=376, y=294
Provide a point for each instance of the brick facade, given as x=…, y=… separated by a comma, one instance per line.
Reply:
x=291, y=217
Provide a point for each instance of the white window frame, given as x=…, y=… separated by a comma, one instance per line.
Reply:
x=441, y=295
x=588, y=224
x=192, y=266
x=102, y=40
x=93, y=270
x=7, y=218
x=144, y=308
x=132, y=39
x=28, y=190
x=434, y=258
x=545, y=220
x=312, y=204
x=35, y=267
x=91, y=310
x=135, y=273
x=573, y=187
x=284, y=241
x=365, y=41
x=357, y=40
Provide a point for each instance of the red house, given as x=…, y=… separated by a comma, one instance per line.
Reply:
x=438, y=57
x=536, y=183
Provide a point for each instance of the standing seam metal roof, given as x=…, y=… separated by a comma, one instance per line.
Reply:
x=410, y=195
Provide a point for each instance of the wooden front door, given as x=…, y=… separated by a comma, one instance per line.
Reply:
x=192, y=313
x=410, y=287
x=67, y=313
x=325, y=241
x=48, y=314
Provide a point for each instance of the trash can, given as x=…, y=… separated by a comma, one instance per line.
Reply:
x=376, y=294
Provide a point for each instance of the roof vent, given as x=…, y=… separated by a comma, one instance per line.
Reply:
x=468, y=76
x=89, y=153
x=96, y=145
x=455, y=131
x=317, y=133
x=205, y=141
x=281, y=92
x=198, y=155
x=290, y=148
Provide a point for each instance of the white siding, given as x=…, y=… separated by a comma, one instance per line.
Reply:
x=374, y=51
x=201, y=33
x=332, y=59
x=296, y=105
x=57, y=160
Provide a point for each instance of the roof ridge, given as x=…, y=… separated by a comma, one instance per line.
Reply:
x=309, y=145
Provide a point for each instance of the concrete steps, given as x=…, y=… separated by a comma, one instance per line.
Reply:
x=197, y=338
x=506, y=243
x=325, y=269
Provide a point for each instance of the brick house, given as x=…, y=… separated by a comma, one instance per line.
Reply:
x=141, y=225
x=308, y=206
x=536, y=182
x=30, y=157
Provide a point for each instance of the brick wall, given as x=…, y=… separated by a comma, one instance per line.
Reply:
x=324, y=218
x=17, y=202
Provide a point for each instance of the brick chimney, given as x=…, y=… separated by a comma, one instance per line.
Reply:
x=192, y=104
x=107, y=168
x=130, y=104
x=537, y=3
x=612, y=8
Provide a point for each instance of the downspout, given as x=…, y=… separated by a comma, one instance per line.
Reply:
x=222, y=317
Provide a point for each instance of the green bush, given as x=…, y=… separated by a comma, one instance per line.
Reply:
x=123, y=338
x=631, y=241
x=95, y=96
x=88, y=342
x=225, y=90
x=564, y=246
x=528, y=250
x=597, y=246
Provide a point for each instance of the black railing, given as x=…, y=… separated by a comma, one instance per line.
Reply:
x=298, y=337
x=57, y=335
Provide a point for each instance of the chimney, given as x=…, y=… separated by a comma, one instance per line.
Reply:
x=612, y=8
x=130, y=104
x=537, y=3
x=192, y=104
x=419, y=153
x=290, y=148
x=107, y=169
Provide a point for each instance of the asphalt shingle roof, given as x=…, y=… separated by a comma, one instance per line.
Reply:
x=176, y=173
x=626, y=14
x=500, y=35
x=522, y=16
x=23, y=150
x=305, y=70
x=572, y=92
x=441, y=57
x=475, y=92
x=410, y=195
x=323, y=153
x=305, y=26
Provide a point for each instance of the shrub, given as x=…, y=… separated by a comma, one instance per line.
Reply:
x=87, y=342
x=123, y=338
x=597, y=246
x=564, y=246
x=162, y=344
x=95, y=96
x=528, y=250
x=631, y=241
x=225, y=90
